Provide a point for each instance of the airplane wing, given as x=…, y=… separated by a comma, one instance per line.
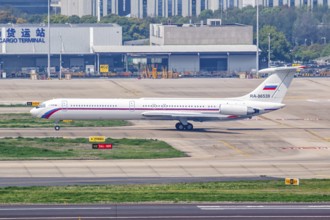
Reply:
x=175, y=115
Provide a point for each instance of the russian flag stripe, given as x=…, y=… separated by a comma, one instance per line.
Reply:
x=270, y=87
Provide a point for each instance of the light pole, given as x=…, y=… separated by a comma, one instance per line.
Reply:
x=61, y=51
x=48, y=57
x=324, y=40
x=257, y=52
x=268, y=49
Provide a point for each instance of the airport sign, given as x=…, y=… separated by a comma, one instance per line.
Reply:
x=292, y=181
x=97, y=139
x=104, y=146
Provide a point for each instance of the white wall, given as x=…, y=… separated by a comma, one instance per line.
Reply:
x=241, y=63
x=183, y=63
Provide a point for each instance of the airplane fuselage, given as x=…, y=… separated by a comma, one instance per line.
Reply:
x=147, y=108
x=265, y=98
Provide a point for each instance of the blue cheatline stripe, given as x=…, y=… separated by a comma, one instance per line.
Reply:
x=50, y=112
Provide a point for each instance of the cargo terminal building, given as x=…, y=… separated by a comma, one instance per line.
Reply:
x=86, y=47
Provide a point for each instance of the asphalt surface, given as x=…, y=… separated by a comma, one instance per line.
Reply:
x=292, y=142
x=167, y=211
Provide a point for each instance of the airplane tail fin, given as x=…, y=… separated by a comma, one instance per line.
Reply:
x=274, y=88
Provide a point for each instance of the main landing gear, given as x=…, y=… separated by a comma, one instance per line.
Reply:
x=180, y=126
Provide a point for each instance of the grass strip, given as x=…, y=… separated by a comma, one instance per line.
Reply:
x=25, y=120
x=13, y=105
x=245, y=191
x=80, y=148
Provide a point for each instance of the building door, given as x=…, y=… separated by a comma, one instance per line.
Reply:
x=131, y=106
x=64, y=105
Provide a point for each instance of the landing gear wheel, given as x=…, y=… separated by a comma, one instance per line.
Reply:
x=179, y=126
x=189, y=127
x=57, y=128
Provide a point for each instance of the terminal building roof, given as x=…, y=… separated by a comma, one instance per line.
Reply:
x=177, y=49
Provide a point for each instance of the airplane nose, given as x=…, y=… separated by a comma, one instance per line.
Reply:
x=34, y=112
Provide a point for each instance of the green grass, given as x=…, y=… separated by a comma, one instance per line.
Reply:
x=13, y=105
x=80, y=148
x=22, y=120
x=244, y=191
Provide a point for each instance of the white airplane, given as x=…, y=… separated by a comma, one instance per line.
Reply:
x=265, y=98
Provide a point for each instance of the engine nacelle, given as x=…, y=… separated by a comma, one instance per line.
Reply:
x=239, y=110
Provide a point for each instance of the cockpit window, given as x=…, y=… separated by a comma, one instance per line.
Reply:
x=42, y=105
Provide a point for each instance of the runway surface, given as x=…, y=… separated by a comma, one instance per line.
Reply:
x=292, y=142
x=167, y=211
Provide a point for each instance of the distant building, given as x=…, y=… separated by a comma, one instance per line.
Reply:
x=26, y=45
x=290, y=3
x=84, y=48
x=27, y=6
x=97, y=8
x=168, y=8
x=218, y=47
x=212, y=33
x=193, y=8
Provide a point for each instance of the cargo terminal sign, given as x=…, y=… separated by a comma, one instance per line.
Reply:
x=22, y=35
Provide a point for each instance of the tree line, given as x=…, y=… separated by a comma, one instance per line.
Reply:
x=296, y=34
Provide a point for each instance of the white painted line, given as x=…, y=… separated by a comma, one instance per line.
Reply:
x=166, y=217
x=65, y=208
x=208, y=208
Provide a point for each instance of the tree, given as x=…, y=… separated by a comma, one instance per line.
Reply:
x=58, y=19
x=326, y=51
x=88, y=19
x=204, y=15
x=74, y=19
x=280, y=47
x=6, y=17
x=36, y=18
x=305, y=29
x=307, y=53
x=20, y=21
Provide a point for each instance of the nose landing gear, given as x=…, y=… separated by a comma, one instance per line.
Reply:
x=56, y=126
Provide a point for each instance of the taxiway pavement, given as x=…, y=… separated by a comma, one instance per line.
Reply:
x=292, y=142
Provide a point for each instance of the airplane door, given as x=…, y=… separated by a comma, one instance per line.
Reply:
x=131, y=106
x=64, y=105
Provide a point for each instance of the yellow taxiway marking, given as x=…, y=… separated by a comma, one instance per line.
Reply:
x=290, y=126
x=316, y=135
x=229, y=145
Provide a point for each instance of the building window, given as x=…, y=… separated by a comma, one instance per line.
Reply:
x=325, y=2
x=271, y=3
x=160, y=8
x=180, y=7
x=280, y=2
x=221, y=5
x=170, y=6
x=292, y=3
x=305, y=2
x=193, y=8
x=145, y=8
x=202, y=5
x=109, y=7
x=101, y=7
x=231, y=3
